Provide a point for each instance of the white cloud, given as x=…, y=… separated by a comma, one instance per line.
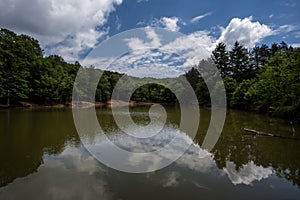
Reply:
x=170, y=23
x=247, y=174
x=245, y=31
x=170, y=59
x=190, y=49
x=297, y=34
x=154, y=56
x=137, y=43
x=70, y=174
x=98, y=62
x=72, y=47
x=290, y=3
x=197, y=159
x=284, y=29
x=194, y=47
x=140, y=1
x=171, y=179
x=295, y=45
x=70, y=25
x=196, y=19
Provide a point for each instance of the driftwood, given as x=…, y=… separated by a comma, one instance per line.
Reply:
x=254, y=132
x=293, y=130
x=259, y=133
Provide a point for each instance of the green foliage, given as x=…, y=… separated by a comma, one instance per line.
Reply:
x=27, y=75
x=265, y=79
x=230, y=86
x=259, y=56
x=278, y=87
x=220, y=56
x=193, y=77
x=239, y=98
x=202, y=93
x=153, y=93
x=239, y=61
x=16, y=55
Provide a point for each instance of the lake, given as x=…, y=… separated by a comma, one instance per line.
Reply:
x=42, y=157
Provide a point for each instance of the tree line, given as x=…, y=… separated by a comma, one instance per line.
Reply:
x=264, y=79
x=26, y=75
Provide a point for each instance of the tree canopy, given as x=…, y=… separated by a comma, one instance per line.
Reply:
x=264, y=78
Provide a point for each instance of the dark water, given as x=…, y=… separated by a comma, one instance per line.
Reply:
x=41, y=157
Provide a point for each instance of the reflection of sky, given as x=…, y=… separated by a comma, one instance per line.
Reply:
x=70, y=175
x=75, y=174
x=195, y=158
x=247, y=174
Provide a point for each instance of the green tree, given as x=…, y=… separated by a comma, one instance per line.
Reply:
x=230, y=86
x=193, y=77
x=17, y=54
x=274, y=49
x=220, y=56
x=239, y=97
x=278, y=87
x=202, y=93
x=259, y=56
x=239, y=62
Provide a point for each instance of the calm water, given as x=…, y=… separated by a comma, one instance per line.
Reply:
x=41, y=157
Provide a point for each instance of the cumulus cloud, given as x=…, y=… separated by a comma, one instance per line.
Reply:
x=245, y=31
x=68, y=25
x=174, y=57
x=247, y=174
x=169, y=23
x=196, y=19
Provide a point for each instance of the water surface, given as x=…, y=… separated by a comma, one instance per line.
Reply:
x=41, y=157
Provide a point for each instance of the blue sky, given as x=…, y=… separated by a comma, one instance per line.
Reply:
x=215, y=14
x=71, y=28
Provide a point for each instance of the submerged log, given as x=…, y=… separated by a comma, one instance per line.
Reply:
x=259, y=133
x=254, y=132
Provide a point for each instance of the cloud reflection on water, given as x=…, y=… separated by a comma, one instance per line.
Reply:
x=75, y=174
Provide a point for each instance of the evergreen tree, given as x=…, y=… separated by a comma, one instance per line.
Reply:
x=274, y=48
x=193, y=77
x=239, y=62
x=284, y=47
x=259, y=56
x=220, y=57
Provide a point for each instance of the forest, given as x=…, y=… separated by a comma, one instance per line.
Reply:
x=263, y=79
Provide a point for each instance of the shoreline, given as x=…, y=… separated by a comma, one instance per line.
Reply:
x=118, y=103
x=81, y=104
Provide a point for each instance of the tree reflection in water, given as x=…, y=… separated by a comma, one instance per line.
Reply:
x=52, y=160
